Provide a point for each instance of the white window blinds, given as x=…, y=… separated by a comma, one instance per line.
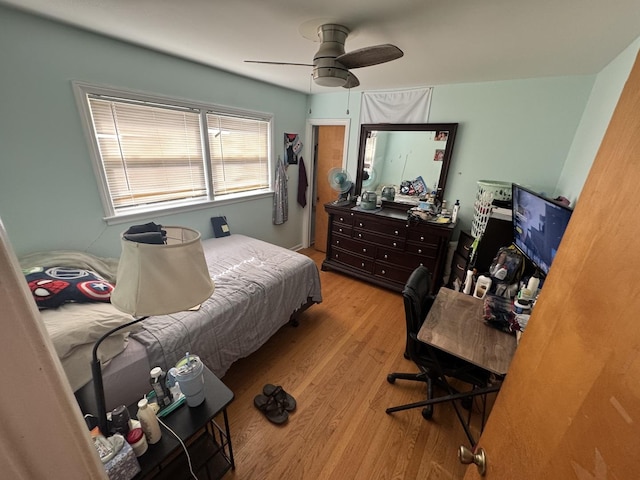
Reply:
x=150, y=153
x=155, y=153
x=239, y=151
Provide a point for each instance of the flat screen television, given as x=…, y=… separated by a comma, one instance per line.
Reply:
x=538, y=226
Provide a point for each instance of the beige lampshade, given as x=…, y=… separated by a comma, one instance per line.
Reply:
x=162, y=279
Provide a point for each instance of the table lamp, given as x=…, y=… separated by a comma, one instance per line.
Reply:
x=162, y=270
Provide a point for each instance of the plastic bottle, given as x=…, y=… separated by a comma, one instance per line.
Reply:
x=454, y=212
x=468, y=283
x=149, y=422
x=533, y=284
x=482, y=286
x=159, y=384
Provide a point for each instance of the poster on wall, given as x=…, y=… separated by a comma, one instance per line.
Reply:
x=292, y=148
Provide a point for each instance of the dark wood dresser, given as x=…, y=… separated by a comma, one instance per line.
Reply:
x=383, y=247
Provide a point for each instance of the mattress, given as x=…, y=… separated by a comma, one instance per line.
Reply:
x=125, y=379
x=258, y=286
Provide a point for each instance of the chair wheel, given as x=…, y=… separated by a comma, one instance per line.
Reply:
x=467, y=403
x=427, y=412
x=391, y=378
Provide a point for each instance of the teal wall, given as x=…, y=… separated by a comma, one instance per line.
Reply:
x=48, y=192
x=602, y=101
x=543, y=133
x=516, y=131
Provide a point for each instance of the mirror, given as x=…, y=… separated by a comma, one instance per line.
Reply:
x=412, y=157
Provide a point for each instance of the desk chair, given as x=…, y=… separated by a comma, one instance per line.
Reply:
x=434, y=364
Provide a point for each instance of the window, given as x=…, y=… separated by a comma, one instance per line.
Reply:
x=155, y=153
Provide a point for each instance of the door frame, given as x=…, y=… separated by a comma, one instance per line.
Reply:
x=310, y=165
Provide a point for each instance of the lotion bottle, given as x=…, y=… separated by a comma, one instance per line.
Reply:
x=454, y=211
x=468, y=283
x=534, y=283
x=149, y=422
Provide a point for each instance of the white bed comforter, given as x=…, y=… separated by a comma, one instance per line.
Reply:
x=258, y=287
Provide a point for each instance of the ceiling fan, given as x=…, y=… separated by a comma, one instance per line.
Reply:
x=331, y=64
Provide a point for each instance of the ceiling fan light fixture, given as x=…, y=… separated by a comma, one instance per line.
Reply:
x=330, y=77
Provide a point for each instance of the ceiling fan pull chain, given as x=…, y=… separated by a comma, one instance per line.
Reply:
x=348, y=98
x=310, y=82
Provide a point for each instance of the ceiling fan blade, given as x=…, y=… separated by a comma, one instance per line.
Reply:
x=280, y=63
x=352, y=81
x=367, y=56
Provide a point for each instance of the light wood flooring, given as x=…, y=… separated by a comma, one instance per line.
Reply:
x=335, y=364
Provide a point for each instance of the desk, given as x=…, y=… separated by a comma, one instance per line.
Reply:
x=455, y=325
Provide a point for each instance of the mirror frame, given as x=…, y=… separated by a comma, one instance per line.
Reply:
x=452, y=128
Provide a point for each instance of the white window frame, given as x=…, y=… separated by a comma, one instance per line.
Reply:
x=81, y=91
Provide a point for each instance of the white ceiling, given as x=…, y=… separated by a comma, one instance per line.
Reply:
x=444, y=42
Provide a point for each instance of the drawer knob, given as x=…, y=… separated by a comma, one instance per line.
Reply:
x=383, y=272
x=395, y=244
x=419, y=250
x=422, y=239
x=337, y=242
x=360, y=223
x=336, y=255
x=362, y=264
x=364, y=250
x=385, y=256
x=340, y=230
x=360, y=235
x=341, y=219
x=396, y=232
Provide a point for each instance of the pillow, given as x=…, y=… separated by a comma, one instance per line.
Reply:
x=54, y=286
x=74, y=324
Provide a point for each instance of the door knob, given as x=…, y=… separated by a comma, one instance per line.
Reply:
x=466, y=457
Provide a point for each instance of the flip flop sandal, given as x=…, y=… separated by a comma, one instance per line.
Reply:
x=272, y=409
x=281, y=396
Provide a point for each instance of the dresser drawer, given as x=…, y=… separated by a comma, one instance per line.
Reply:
x=344, y=218
x=401, y=259
x=426, y=250
x=392, y=273
x=378, y=225
x=458, y=267
x=341, y=228
x=353, y=260
x=423, y=238
x=354, y=246
x=383, y=240
x=465, y=242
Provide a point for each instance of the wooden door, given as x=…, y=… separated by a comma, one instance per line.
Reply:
x=570, y=406
x=329, y=155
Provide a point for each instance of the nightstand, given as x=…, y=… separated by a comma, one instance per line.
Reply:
x=208, y=443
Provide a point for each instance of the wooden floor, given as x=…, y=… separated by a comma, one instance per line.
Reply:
x=335, y=364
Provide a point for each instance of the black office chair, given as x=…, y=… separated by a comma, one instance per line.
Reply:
x=434, y=364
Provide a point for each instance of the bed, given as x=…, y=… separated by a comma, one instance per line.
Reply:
x=259, y=288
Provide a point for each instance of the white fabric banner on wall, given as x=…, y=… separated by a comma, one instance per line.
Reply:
x=396, y=106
